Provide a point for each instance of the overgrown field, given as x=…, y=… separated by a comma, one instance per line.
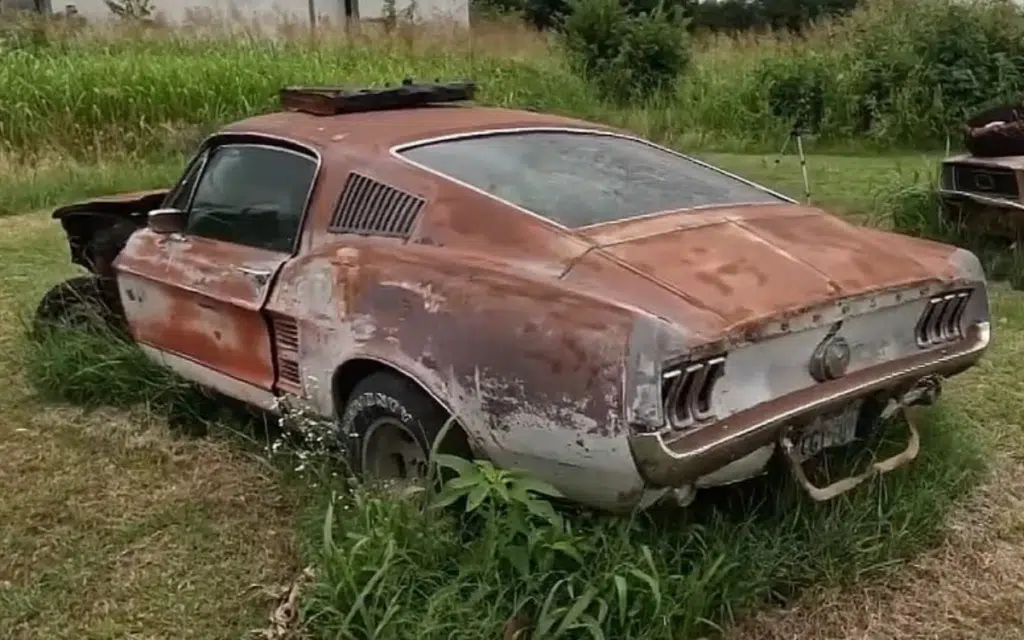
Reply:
x=896, y=72
x=382, y=561
x=124, y=523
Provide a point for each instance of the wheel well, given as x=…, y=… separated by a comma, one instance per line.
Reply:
x=352, y=372
x=348, y=375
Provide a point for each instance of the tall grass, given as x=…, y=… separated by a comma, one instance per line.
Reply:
x=896, y=72
x=489, y=552
x=395, y=566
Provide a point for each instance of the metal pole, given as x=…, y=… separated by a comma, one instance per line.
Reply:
x=312, y=15
x=803, y=168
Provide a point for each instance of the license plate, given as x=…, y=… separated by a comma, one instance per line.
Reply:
x=833, y=430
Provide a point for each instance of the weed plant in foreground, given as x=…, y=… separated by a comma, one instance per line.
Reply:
x=393, y=566
x=490, y=550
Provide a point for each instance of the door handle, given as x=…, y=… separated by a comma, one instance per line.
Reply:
x=172, y=238
x=259, y=275
x=249, y=271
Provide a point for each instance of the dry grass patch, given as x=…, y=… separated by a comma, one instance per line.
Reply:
x=972, y=585
x=112, y=525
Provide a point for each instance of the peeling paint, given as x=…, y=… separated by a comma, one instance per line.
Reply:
x=548, y=344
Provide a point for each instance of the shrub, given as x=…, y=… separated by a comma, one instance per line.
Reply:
x=923, y=68
x=796, y=88
x=627, y=58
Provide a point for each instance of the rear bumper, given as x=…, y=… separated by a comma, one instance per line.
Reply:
x=668, y=461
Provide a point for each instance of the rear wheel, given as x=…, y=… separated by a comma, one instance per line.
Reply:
x=390, y=427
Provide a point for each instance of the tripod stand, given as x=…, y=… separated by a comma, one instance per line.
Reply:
x=794, y=134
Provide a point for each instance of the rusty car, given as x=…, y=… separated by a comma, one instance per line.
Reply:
x=628, y=323
x=980, y=190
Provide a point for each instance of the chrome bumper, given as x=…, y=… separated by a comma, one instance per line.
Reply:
x=676, y=461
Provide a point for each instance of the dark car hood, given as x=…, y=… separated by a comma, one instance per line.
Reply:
x=120, y=203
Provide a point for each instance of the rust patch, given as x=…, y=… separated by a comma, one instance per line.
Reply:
x=345, y=261
x=193, y=299
x=744, y=265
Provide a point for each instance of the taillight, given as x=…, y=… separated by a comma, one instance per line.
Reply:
x=942, y=319
x=686, y=391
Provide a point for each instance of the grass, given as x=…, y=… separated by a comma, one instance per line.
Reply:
x=122, y=527
x=866, y=81
x=52, y=180
x=125, y=523
x=112, y=526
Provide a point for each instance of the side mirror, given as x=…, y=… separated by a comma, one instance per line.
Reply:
x=165, y=221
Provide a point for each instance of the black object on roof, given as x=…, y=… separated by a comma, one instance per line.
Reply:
x=329, y=101
x=996, y=132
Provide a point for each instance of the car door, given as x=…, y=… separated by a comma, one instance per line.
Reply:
x=197, y=297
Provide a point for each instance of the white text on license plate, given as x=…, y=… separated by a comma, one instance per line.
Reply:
x=832, y=430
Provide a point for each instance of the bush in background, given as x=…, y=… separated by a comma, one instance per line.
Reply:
x=894, y=73
x=627, y=58
x=922, y=68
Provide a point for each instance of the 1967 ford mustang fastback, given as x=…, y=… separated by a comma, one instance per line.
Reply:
x=625, y=322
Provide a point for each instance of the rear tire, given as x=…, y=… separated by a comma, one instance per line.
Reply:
x=82, y=302
x=389, y=426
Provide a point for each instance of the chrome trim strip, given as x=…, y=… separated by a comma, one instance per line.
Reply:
x=998, y=202
x=396, y=151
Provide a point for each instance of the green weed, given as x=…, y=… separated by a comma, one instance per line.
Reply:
x=488, y=552
x=892, y=73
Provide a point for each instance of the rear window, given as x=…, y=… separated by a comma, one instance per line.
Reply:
x=579, y=179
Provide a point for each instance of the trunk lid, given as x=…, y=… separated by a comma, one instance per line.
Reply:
x=742, y=264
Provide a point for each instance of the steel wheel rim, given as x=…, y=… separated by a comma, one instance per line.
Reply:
x=391, y=451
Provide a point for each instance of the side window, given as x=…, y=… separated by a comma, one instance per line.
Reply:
x=180, y=197
x=252, y=195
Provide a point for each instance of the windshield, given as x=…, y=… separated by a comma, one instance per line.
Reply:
x=579, y=179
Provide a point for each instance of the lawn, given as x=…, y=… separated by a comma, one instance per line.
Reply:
x=111, y=526
x=115, y=525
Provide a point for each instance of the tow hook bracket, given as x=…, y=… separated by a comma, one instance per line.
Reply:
x=822, y=494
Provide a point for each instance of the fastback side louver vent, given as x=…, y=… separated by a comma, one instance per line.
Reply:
x=369, y=207
x=286, y=342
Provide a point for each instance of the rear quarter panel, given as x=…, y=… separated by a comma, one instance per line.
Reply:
x=533, y=370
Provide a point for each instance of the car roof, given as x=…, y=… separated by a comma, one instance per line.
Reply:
x=378, y=131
